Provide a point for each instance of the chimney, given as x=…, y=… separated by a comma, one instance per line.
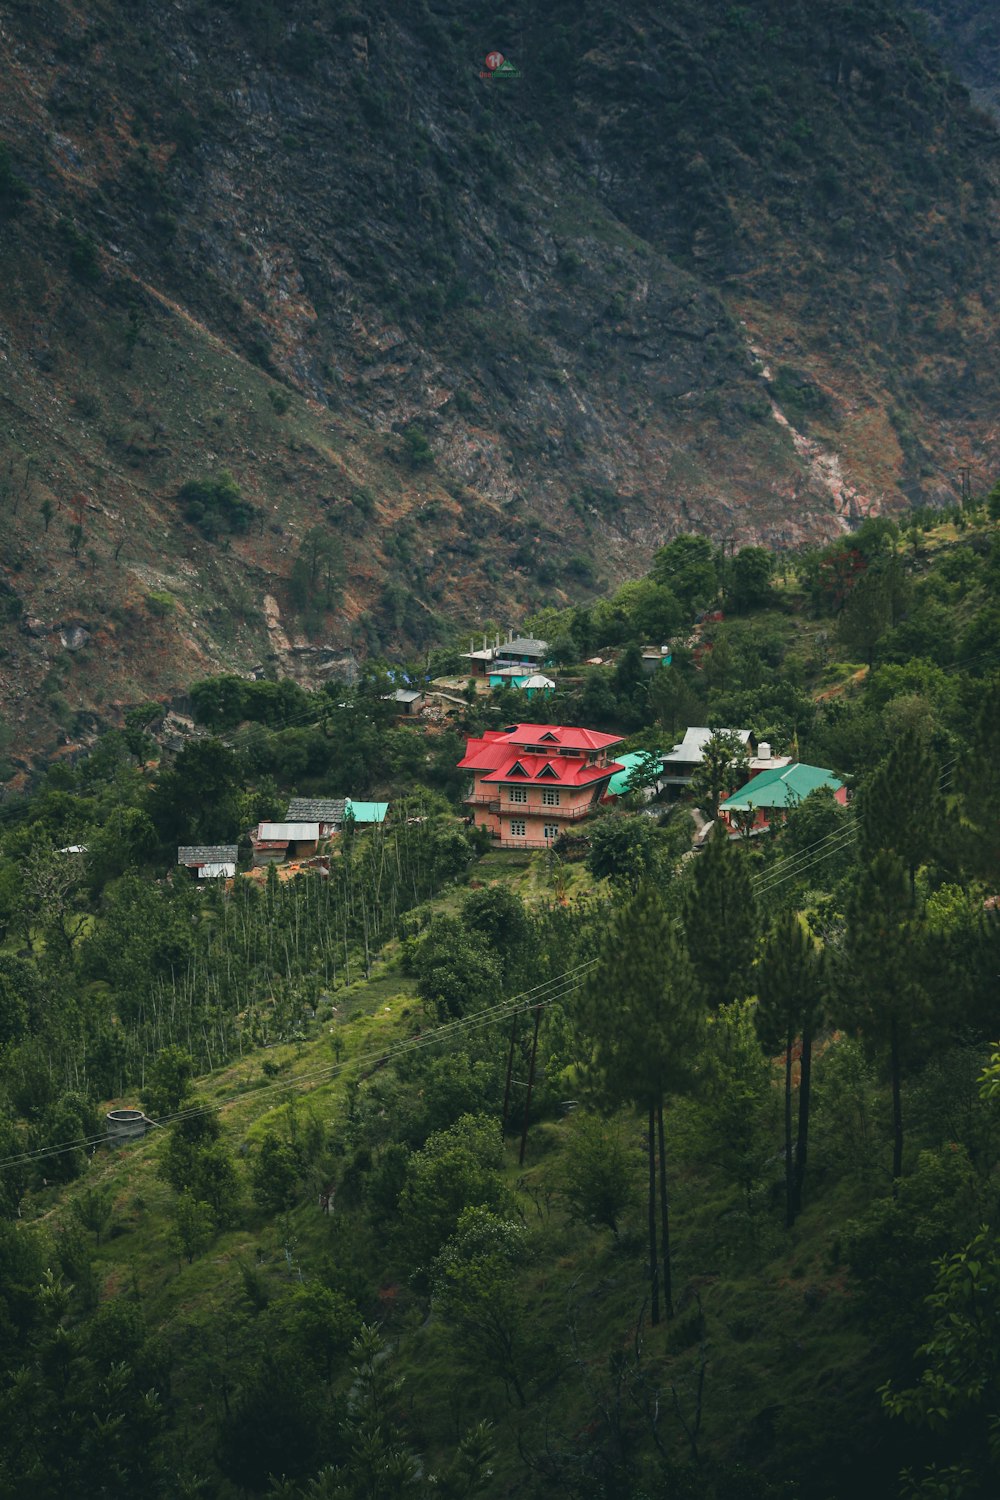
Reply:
x=510, y=634
x=496, y=641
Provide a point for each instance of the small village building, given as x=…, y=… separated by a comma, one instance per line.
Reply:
x=528, y=682
x=654, y=657
x=766, y=798
x=532, y=780
x=208, y=861
x=311, y=820
x=274, y=842
x=680, y=765
x=407, y=700
x=524, y=652
x=328, y=812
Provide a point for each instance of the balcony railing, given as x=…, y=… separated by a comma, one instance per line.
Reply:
x=500, y=806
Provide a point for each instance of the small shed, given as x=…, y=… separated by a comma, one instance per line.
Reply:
x=538, y=683
x=407, y=700
x=208, y=861
x=655, y=656
x=298, y=840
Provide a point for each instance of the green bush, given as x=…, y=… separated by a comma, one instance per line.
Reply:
x=416, y=449
x=160, y=604
x=216, y=504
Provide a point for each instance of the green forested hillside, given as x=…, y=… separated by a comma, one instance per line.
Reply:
x=357, y=1256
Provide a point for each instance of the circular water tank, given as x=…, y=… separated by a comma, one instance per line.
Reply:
x=125, y=1125
x=763, y=751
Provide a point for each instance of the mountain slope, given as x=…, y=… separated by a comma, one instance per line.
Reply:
x=720, y=268
x=968, y=33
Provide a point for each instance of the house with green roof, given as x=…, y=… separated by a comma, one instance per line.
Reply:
x=632, y=759
x=766, y=798
x=364, y=812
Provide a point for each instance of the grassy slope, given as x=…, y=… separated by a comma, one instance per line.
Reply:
x=777, y=1330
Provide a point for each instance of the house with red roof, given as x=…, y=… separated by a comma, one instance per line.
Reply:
x=530, y=781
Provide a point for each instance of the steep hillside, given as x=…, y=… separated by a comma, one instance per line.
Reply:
x=717, y=267
x=968, y=33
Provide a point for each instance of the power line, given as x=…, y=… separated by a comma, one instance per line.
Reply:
x=538, y=997
x=848, y=838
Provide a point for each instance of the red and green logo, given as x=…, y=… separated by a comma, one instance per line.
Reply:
x=498, y=67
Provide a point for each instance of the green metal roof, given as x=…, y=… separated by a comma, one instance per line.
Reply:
x=365, y=812
x=781, y=788
x=631, y=759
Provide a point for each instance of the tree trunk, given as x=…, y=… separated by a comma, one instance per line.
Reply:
x=789, y=1159
x=654, y=1270
x=531, y=1082
x=668, y=1294
x=897, y=1105
x=510, y=1072
x=805, y=1090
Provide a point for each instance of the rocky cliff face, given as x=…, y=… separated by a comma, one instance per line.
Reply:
x=714, y=266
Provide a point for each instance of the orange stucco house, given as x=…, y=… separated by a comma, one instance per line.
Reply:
x=532, y=780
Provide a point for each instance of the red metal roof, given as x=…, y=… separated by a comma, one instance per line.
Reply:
x=484, y=755
x=489, y=752
x=558, y=735
x=270, y=843
x=557, y=770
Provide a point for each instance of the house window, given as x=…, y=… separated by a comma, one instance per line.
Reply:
x=518, y=794
x=550, y=797
x=551, y=831
x=517, y=828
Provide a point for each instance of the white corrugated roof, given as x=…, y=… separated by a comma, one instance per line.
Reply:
x=287, y=832
x=692, y=746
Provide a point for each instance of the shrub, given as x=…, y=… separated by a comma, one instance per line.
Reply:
x=160, y=604
x=216, y=503
x=416, y=449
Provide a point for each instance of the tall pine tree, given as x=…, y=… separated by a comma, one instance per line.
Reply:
x=880, y=992
x=789, y=1005
x=900, y=806
x=644, y=1020
x=721, y=920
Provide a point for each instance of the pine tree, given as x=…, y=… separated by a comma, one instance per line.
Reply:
x=900, y=807
x=642, y=1014
x=721, y=920
x=723, y=761
x=789, y=1004
x=880, y=993
x=979, y=778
